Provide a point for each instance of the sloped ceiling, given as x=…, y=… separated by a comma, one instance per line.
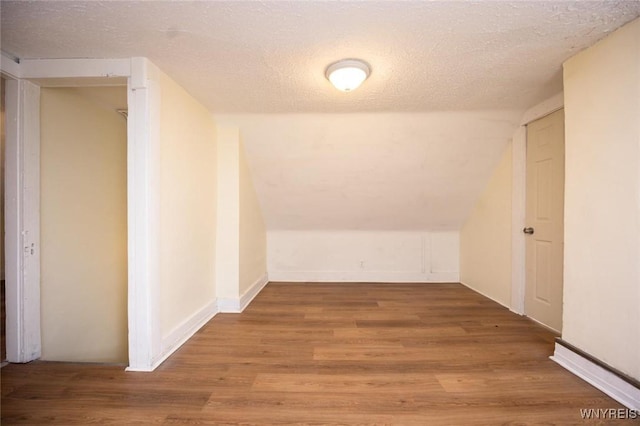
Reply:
x=411, y=149
x=410, y=171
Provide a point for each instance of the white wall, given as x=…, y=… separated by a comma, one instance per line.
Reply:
x=369, y=197
x=83, y=225
x=385, y=172
x=485, y=238
x=363, y=256
x=602, y=200
x=252, y=231
x=188, y=192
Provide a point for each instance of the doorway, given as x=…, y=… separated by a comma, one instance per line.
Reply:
x=544, y=230
x=83, y=199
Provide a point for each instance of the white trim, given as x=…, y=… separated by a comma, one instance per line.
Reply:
x=9, y=66
x=618, y=389
x=364, y=276
x=13, y=236
x=543, y=325
x=75, y=68
x=143, y=196
x=253, y=291
x=238, y=305
x=143, y=221
x=518, y=205
x=543, y=109
x=484, y=294
x=183, y=332
x=81, y=82
x=22, y=221
x=229, y=305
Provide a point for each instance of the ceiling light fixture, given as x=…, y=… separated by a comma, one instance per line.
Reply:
x=347, y=74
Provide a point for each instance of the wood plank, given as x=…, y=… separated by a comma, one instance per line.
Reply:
x=345, y=383
x=326, y=354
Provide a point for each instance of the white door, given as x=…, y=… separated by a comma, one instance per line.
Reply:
x=544, y=220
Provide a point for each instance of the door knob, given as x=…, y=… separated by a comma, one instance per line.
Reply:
x=528, y=230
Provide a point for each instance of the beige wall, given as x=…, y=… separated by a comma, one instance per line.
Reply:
x=83, y=225
x=187, y=206
x=485, y=238
x=253, y=235
x=228, y=235
x=602, y=200
x=242, y=240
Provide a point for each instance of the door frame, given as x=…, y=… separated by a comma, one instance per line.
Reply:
x=23, y=272
x=518, y=198
x=22, y=218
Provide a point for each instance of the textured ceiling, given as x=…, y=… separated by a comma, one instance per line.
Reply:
x=270, y=56
x=449, y=83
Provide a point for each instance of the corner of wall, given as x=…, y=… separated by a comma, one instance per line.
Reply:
x=185, y=330
x=228, y=217
x=252, y=232
x=485, y=238
x=239, y=304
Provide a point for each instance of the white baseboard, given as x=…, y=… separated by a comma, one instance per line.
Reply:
x=229, y=305
x=253, y=291
x=364, y=276
x=486, y=295
x=510, y=308
x=183, y=332
x=543, y=325
x=237, y=305
x=609, y=383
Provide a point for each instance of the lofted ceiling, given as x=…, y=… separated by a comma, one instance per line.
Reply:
x=449, y=83
x=270, y=56
x=383, y=171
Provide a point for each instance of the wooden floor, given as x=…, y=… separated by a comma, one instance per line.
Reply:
x=3, y=325
x=326, y=354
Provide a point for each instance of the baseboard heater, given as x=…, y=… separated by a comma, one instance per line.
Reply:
x=618, y=385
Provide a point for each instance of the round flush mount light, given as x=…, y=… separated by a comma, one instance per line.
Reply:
x=347, y=74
